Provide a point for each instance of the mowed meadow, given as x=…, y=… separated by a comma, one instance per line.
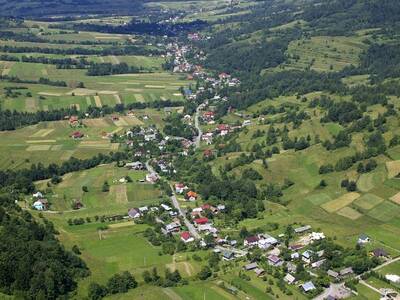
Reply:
x=149, y=85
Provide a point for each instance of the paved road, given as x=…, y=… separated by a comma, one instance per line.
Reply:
x=190, y=226
x=197, y=125
x=175, y=202
x=376, y=269
x=387, y=263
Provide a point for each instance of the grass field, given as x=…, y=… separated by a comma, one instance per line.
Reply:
x=52, y=139
x=118, y=199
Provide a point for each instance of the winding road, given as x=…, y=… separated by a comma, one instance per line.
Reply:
x=193, y=231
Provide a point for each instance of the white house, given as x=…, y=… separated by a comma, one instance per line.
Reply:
x=166, y=207
x=37, y=195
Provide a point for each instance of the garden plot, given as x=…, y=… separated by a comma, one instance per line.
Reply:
x=349, y=213
x=396, y=198
x=42, y=133
x=38, y=148
x=120, y=193
x=339, y=203
x=368, y=201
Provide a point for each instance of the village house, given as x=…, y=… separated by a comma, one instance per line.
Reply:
x=228, y=255
x=134, y=213
x=208, y=116
x=294, y=256
x=363, y=239
x=251, y=241
x=152, y=177
x=250, y=266
x=379, y=252
x=306, y=256
x=208, y=228
x=171, y=228
x=318, y=264
x=274, y=260
x=291, y=267
x=166, y=207
x=289, y=278
x=333, y=274
x=246, y=123
x=201, y=221
x=37, y=195
x=74, y=121
x=308, y=286
x=259, y=271
x=143, y=209
x=302, y=229
x=137, y=165
x=346, y=272
x=316, y=236
x=186, y=237
x=393, y=278
x=191, y=196
x=223, y=129
x=77, y=135
x=180, y=188
x=41, y=204
x=207, y=137
x=208, y=153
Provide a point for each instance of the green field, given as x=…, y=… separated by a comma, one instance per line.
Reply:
x=52, y=139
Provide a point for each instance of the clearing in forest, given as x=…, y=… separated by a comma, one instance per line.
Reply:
x=338, y=203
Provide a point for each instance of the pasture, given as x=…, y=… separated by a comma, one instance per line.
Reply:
x=24, y=146
x=119, y=199
x=323, y=53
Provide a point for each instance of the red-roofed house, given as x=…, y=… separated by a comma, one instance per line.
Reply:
x=77, y=135
x=191, y=196
x=74, y=121
x=201, y=221
x=186, y=238
x=180, y=188
x=208, y=115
